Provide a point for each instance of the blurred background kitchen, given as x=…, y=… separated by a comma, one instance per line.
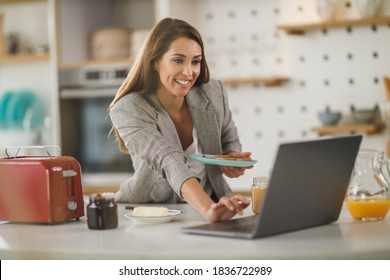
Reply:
x=294, y=70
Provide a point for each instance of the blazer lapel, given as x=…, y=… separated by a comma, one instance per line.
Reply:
x=166, y=125
x=203, y=117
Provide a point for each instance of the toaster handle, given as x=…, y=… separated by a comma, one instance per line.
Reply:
x=45, y=147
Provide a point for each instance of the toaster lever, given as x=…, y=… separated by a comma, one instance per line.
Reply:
x=69, y=173
x=18, y=148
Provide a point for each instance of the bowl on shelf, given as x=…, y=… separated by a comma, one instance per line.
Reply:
x=364, y=115
x=328, y=117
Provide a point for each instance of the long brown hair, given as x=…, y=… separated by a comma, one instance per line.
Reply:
x=143, y=78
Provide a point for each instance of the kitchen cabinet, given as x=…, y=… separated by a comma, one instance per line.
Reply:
x=299, y=29
x=36, y=48
x=78, y=19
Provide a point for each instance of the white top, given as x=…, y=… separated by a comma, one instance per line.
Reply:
x=197, y=167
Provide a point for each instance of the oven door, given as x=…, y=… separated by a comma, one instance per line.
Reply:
x=85, y=132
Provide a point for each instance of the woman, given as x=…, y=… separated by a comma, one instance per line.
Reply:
x=165, y=110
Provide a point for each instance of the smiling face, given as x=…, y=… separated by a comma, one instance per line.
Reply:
x=179, y=67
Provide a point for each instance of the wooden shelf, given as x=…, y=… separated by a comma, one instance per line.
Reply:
x=299, y=29
x=95, y=62
x=266, y=81
x=18, y=1
x=349, y=128
x=22, y=58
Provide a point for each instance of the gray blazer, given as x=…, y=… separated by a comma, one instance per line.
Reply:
x=160, y=166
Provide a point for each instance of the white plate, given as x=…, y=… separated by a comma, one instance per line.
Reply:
x=153, y=220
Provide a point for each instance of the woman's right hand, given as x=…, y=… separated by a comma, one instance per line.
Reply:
x=226, y=208
x=223, y=210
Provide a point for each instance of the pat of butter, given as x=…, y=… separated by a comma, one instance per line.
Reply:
x=150, y=212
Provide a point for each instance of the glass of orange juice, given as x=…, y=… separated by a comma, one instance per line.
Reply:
x=258, y=191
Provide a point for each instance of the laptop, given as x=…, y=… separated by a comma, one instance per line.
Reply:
x=307, y=187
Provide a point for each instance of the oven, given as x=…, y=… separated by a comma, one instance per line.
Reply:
x=85, y=94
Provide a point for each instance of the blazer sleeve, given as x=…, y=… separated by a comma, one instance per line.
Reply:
x=136, y=123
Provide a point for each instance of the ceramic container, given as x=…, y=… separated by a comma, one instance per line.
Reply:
x=364, y=115
x=368, y=8
x=326, y=9
x=329, y=117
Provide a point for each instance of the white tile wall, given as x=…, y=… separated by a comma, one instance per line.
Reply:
x=338, y=68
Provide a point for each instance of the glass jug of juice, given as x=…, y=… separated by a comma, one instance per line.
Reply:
x=368, y=193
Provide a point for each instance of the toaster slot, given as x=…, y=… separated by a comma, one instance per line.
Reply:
x=69, y=176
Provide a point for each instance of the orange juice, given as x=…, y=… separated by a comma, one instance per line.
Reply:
x=258, y=194
x=368, y=208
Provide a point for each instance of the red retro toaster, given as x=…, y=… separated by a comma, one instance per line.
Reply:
x=41, y=189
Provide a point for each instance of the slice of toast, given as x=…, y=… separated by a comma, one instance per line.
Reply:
x=230, y=157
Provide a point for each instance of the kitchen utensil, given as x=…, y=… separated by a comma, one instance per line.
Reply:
x=137, y=39
x=368, y=192
x=328, y=117
x=153, y=220
x=209, y=159
x=364, y=115
x=17, y=108
x=40, y=189
x=110, y=43
x=35, y=115
x=4, y=101
x=368, y=8
x=22, y=110
x=326, y=9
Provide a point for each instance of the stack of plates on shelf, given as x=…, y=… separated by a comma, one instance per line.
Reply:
x=21, y=110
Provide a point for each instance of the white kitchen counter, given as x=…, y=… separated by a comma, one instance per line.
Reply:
x=344, y=239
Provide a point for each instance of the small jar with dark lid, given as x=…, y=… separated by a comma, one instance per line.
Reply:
x=102, y=211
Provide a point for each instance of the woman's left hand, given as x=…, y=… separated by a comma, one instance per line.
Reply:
x=234, y=171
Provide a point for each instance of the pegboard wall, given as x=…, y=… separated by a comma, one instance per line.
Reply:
x=335, y=67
